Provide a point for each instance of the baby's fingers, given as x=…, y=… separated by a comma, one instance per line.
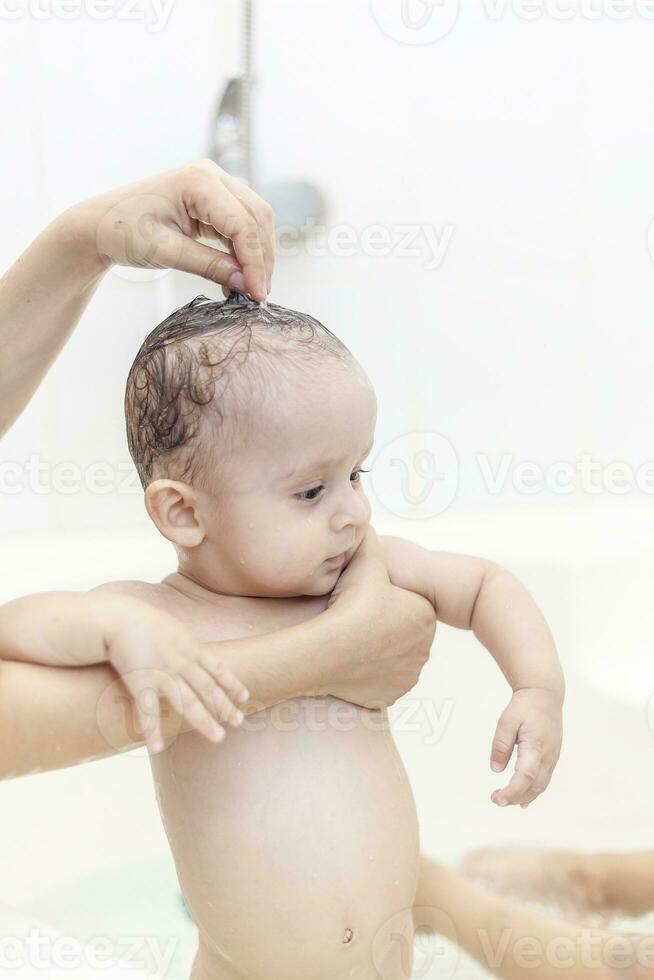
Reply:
x=187, y=703
x=526, y=770
x=540, y=784
x=211, y=693
x=148, y=717
x=229, y=682
x=504, y=741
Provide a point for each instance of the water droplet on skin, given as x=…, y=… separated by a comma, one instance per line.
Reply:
x=371, y=857
x=396, y=882
x=242, y=561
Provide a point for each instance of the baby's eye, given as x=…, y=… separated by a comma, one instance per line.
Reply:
x=309, y=494
x=356, y=475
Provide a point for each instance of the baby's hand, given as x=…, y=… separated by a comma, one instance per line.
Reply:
x=158, y=658
x=532, y=722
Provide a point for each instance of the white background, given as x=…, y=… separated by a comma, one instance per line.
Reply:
x=531, y=140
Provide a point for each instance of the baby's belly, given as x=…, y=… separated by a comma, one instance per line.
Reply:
x=296, y=842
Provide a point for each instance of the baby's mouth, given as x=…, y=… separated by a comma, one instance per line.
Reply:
x=337, y=560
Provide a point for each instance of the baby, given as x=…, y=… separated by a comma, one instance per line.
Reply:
x=295, y=839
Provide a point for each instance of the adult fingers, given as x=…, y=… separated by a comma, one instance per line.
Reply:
x=208, y=200
x=263, y=215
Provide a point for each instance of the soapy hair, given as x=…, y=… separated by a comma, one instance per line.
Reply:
x=202, y=369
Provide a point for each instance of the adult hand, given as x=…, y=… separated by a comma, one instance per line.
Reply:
x=392, y=631
x=156, y=223
x=152, y=224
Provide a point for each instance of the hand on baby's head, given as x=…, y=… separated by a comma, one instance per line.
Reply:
x=249, y=425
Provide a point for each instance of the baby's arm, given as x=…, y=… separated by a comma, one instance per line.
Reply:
x=472, y=593
x=156, y=656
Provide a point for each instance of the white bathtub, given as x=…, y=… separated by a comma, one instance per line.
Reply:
x=83, y=849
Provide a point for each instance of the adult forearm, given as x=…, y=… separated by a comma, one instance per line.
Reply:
x=53, y=717
x=292, y=662
x=56, y=629
x=42, y=297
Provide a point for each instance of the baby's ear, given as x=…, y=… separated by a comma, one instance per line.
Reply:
x=173, y=507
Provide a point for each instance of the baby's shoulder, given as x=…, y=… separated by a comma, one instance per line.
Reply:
x=151, y=592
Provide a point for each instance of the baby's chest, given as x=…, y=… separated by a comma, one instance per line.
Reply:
x=246, y=617
x=304, y=770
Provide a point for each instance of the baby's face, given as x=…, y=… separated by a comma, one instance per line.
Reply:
x=290, y=509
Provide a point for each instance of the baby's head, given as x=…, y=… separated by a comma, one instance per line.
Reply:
x=248, y=426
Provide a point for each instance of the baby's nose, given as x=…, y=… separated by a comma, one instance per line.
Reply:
x=354, y=510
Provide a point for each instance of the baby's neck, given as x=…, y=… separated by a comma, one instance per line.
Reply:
x=188, y=585
x=207, y=610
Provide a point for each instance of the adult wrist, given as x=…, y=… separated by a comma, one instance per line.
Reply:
x=75, y=235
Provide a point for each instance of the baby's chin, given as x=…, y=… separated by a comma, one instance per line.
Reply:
x=321, y=583
x=325, y=581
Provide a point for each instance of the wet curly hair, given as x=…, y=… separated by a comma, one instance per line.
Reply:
x=206, y=364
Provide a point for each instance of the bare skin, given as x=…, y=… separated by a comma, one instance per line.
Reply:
x=514, y=943
x=368, y=647
x=582, y=885
x=303, y=815
x=309, y=799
